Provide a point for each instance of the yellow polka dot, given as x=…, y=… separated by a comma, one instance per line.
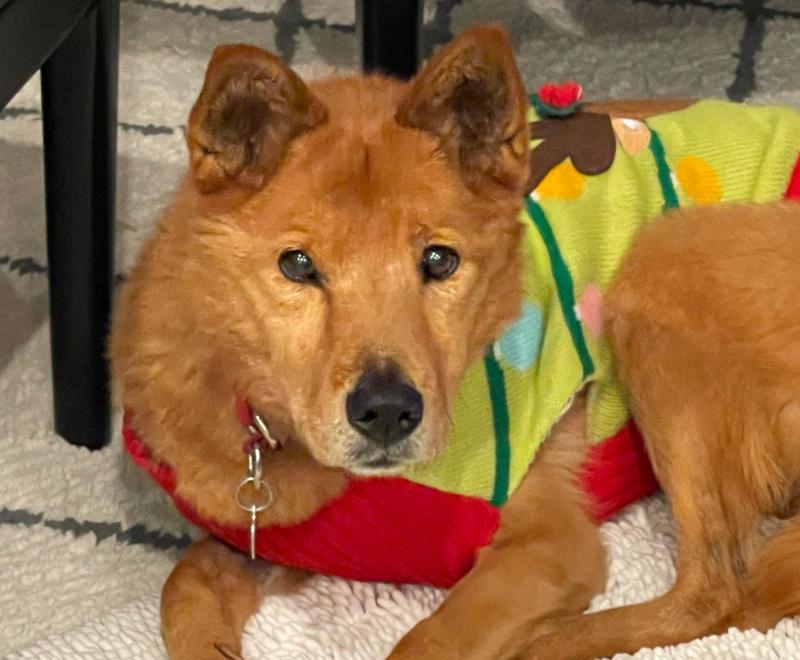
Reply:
x=698, y=180
x=562, y=182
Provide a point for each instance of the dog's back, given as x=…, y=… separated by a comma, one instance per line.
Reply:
x=725, y=276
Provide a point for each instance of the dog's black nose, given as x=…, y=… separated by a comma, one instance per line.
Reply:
x=383, y=406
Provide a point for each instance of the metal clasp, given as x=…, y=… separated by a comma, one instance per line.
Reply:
x=259, y=427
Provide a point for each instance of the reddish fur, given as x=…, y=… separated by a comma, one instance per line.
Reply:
x=363, y=173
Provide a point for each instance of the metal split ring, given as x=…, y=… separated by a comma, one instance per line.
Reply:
x=259, y=487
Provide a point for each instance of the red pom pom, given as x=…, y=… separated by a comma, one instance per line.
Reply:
x=560, y=95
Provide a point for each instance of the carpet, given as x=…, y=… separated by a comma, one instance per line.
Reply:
x=86, y=540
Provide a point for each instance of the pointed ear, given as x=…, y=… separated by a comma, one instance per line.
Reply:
x=470, y=95
x=250, y=108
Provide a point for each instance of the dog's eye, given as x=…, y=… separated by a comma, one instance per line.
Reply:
x=297, y=266
x=438, y=262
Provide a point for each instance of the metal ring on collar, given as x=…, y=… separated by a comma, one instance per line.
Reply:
x=259, y=487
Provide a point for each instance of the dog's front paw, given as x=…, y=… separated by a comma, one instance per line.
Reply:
x=426, y=641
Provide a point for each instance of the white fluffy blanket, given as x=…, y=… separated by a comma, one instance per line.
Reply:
x=332, y=618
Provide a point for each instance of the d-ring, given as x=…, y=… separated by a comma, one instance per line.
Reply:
x=259, y=487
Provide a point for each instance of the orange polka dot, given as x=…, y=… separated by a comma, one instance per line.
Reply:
x=562, y=182
x=698, y=180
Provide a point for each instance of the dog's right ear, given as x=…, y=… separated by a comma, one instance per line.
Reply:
x=250, y=108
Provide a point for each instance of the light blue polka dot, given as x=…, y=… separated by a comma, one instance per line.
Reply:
x=521, y=343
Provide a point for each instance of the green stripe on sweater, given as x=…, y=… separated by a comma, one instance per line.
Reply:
x=564, y=284
x=664, y=174
x=497, y=394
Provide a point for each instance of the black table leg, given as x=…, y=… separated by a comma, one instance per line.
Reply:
x=389, y=31
x=79, y=108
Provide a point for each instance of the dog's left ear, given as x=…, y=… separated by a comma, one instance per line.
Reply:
x=470, y=96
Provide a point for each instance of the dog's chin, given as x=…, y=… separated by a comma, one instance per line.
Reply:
x=369, y=463
x=372, y=461
x=364, y=459
x=377, y=469
x=389, y=463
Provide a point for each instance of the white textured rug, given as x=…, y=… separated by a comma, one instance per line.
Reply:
x=85, y=540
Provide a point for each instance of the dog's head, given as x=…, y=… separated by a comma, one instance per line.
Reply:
x=368, y=250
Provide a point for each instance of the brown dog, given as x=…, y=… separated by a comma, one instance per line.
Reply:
x=294, y=260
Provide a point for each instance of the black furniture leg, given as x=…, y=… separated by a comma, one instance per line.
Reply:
x=79, y=111
x=389, y=31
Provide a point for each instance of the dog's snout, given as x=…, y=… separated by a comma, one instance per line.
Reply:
x=383, y=406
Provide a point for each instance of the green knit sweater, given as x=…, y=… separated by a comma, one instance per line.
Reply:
x=577, y=229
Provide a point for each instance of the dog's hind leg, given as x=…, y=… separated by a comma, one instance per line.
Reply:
x=704, y=595
x=712, y=551
x=699, y=426
x=209, y=597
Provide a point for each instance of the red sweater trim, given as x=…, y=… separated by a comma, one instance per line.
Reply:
x=395, y=530
x=793, y=188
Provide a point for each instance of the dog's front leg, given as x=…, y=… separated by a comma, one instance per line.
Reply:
x=546, y=559
x=210, y=595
